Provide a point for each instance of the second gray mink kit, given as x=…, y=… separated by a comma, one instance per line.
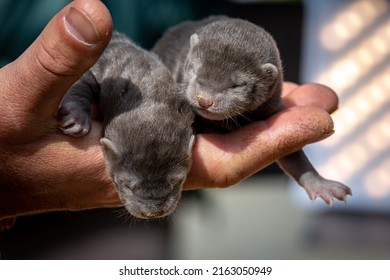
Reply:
x=231, y=73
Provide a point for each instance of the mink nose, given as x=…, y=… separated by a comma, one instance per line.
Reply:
x=204, y=102
x=153, y=214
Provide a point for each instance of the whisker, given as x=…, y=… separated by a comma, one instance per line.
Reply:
x=241, y=112
x=123, y=214
x=231, y=121
x=235, y=121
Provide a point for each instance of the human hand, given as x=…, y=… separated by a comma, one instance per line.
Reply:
x=43, y=170
x=223, y=160
x=40, y=168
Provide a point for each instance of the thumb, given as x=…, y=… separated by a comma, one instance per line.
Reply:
x=33, y=85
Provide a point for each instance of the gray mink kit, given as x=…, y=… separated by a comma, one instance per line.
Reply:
x=147, y=126
x=230, y=72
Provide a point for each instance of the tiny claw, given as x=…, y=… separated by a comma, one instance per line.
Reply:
x=327, y=198
x=326, y=189
x=66, y=122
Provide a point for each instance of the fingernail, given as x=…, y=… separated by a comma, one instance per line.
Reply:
x=325, y=135
x=81, y=26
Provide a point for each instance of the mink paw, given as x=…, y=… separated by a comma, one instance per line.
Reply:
x=328, y=190
x=73, y=120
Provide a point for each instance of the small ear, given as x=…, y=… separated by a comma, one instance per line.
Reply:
x=270, y=71
x=109, y=146
x=194, y=40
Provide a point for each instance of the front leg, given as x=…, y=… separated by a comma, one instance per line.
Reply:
x=298, y=166
x=74, y=113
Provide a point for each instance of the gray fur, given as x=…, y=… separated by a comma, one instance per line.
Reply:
x=231, y=73
x=232, y=64
x=147, y=136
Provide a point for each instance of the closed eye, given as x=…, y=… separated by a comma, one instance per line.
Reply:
x=238, y=85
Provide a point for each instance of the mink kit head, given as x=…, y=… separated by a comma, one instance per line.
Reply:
x=231, y=68
x=150, y=159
